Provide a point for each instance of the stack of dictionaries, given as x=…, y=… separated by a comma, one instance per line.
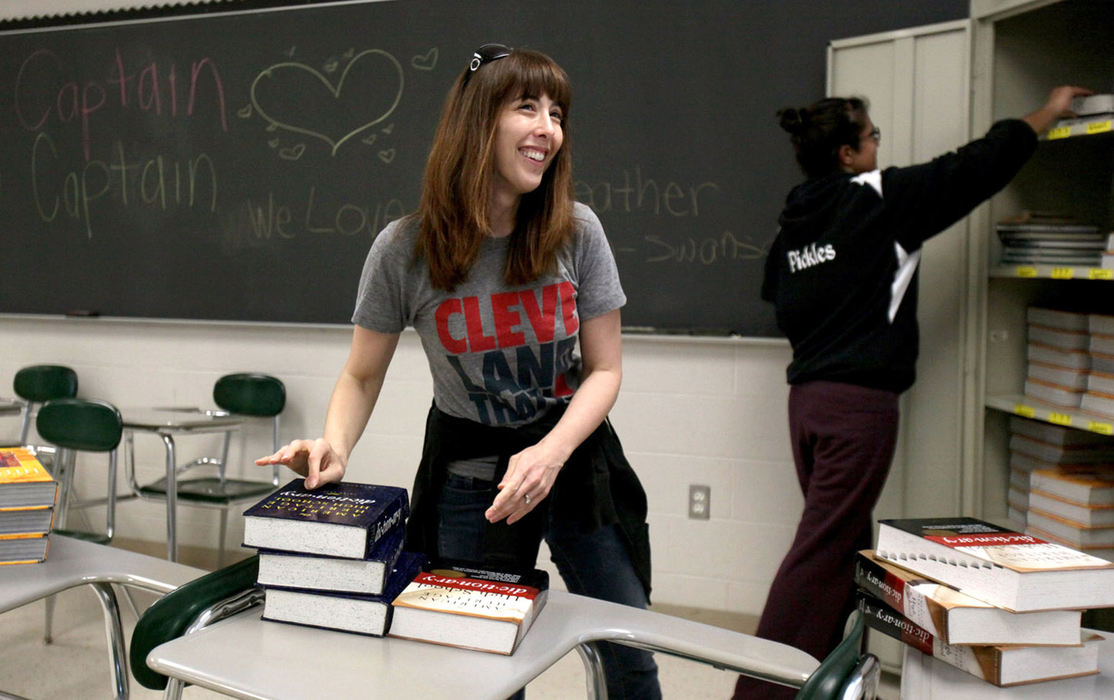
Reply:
x=333, y=557
x=27, y=499
x=1001, y=605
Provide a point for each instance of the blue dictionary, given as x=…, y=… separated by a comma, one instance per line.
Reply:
x=301, y=570
x=349, y=612
x=337, y=520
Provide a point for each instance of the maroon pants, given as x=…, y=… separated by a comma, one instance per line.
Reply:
x=843, y=442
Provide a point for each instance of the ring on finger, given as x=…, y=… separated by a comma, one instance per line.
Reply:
x=527, y=499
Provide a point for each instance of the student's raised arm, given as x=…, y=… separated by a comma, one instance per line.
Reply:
x=325, y=459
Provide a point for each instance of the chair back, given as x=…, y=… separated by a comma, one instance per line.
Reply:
x=250, y=394
x=837, y=676
x=173, y=614
x=38, y=384
x=80, y=424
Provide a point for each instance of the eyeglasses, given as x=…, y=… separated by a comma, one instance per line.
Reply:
x=486, y=54
x=876, y=134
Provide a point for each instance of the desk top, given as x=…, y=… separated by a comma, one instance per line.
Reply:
x=247, y=657
x=174, y=419
x=924, y=677
x=71, y=562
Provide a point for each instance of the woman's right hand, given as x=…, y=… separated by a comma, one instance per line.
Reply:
x=316, y=460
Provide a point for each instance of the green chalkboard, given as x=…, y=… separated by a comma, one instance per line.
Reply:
x=236, y=166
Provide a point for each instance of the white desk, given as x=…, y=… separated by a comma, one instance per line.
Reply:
x=246, y=657
x=924, y=677
x=70, y=563
x=166, y=423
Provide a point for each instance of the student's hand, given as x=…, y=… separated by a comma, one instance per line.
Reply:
x=1058, y=106
x=316, y=460
x=529, y=473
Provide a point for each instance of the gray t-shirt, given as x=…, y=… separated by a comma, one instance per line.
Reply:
x=499, y=355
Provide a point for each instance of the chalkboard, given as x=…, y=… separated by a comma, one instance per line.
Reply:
x=236, y=166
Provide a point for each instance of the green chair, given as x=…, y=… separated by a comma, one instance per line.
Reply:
x=35, y=385
x=73, y=426
x=189, y=607
x=846, y=673
x=244, y=394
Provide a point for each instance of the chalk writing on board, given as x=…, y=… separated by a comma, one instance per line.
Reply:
x=298, y=98
x=272, y=217
x=161, y=182
x=48, y=92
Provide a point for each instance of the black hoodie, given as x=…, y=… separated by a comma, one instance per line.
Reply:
x=842, y=270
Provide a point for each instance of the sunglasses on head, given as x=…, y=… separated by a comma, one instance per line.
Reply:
x=486, y=54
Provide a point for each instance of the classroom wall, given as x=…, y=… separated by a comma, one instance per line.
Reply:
x=691, y=411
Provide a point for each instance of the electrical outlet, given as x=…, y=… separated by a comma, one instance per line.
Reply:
x=700, y=502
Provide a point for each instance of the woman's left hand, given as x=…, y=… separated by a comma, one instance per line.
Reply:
x=530, y=476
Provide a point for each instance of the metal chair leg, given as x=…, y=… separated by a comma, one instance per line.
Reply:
x=174, y=689
x=593, y=671
x=223, y=536
x=114, y=633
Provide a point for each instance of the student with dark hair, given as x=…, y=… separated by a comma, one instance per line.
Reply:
x=842, y=277
x=502, y=274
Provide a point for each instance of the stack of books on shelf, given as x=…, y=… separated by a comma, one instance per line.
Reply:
x=1074, y=509
x=27, y=497
x=332, y=557
x=1098, y=399
x=1001, y=605
x=1058, y=354
x=1040, y=238
x=1039, y=446
x=1108, y=254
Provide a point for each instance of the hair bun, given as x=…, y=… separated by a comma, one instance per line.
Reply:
x=792, y=119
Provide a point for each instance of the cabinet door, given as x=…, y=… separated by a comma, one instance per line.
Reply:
x=917, y=83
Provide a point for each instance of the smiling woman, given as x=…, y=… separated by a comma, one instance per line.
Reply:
x=502, y=274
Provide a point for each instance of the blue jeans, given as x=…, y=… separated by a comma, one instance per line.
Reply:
x=594, y=564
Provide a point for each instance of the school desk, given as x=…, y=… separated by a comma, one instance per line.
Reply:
x=168, y=423
x=70, y=563
x=247, y=657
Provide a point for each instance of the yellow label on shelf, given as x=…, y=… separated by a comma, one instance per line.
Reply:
x=1062, y=273
x=1098, y=127
x=1060, y=132
x=1059, y=418
x=1099, y=273
x=1026, y=271
x=1023, y=410
x=1097, y=427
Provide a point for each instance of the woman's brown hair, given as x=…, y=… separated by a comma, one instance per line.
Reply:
x=453, y=216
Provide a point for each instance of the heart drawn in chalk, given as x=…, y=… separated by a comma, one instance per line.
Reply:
x=298, y=98
x=427, y=61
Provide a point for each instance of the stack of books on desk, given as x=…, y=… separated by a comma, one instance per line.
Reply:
x=1001, y=605
x=471, y=606
x=332, y=557
x=27, y=497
